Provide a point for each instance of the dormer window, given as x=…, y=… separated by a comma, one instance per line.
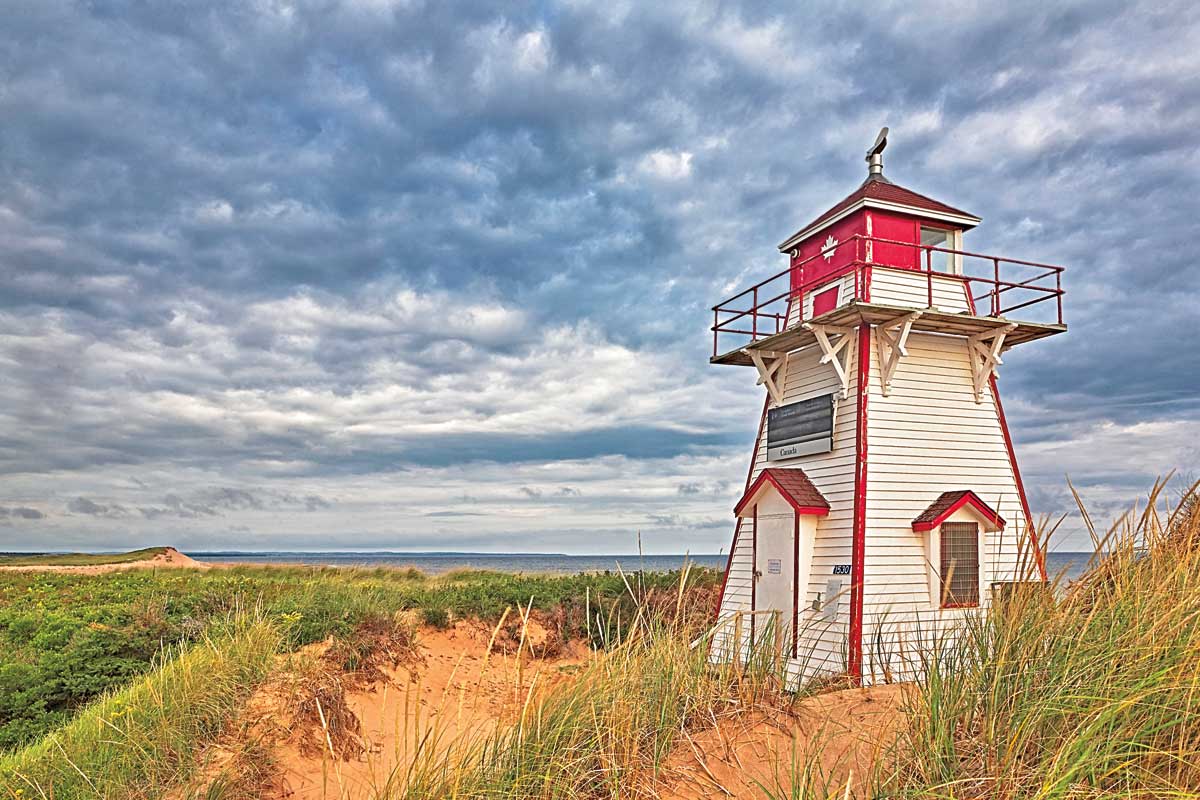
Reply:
x=954, y=525
x=944, y=238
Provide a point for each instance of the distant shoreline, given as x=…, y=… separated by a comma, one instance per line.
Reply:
x=442, y=562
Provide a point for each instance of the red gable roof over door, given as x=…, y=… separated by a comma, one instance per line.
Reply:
x=793, y=485
x=881, y=191
x=948, y=503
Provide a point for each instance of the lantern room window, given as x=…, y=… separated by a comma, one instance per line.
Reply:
x=959, y=564
x=946, y=239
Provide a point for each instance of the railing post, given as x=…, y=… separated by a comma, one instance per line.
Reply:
x=754, y=317
x=995, y=287
x=799, y=296
x=1058, y=292
x=929, y=276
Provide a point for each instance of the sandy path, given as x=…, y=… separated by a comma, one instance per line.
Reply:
x=171, y=559
x=848, y=729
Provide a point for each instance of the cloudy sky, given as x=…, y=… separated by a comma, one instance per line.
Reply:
x=434, y=275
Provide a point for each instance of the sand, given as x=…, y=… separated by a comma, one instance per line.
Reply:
x=453, y=692
x=170, y=559
x=740, y=756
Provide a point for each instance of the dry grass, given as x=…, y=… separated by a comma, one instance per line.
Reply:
x=1082, y=691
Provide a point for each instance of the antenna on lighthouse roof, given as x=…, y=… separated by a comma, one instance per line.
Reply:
x=875, y=156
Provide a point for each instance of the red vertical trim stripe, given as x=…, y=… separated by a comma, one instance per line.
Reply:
x=753, y=574
x=857, y=562
x=1038, y=556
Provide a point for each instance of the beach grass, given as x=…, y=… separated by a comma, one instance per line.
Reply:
x=139, y=741
x=1085, y=690
x=1081, y=691
x=608, y=732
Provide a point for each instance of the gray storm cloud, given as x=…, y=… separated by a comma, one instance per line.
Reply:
x=437, y=275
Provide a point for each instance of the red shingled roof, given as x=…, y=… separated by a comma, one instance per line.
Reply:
x=884, y=191
x=793, y=485
x=948, y=503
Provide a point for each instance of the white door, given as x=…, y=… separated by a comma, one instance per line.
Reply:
x=774, y=571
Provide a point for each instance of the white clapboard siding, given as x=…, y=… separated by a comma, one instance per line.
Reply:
x=906, y=287
x=926, y=437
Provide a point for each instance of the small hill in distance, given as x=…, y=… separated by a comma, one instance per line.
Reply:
x=146, y=557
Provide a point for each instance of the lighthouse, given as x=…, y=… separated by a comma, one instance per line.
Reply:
x=883, y=503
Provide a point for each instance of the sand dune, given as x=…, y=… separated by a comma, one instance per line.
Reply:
x=172, y=558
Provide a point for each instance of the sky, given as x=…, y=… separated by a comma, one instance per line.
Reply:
x=437, y=275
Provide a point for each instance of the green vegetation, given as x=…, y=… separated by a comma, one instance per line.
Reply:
x=1082, y=691
x=66, y=639
x=141, y=740
x=78, y=559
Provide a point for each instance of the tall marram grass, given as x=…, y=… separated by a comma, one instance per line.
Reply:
x=1087, y=690
x=137, y=742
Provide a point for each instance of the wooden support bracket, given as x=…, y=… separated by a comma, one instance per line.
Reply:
x=836, y=353
x=891, y=338
x=767, y=372
x=984, y=351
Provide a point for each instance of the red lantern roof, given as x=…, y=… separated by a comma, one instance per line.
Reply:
x=879, y=192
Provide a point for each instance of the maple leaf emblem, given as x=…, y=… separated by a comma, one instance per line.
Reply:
x=830, y=246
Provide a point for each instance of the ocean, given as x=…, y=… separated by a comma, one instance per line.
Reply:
x=1072, y=563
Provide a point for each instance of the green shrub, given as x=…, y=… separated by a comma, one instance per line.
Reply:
x=435, y=618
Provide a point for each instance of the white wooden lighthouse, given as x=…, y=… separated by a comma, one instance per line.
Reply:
x=883, y=501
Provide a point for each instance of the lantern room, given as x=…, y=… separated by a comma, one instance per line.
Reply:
x=900, y=228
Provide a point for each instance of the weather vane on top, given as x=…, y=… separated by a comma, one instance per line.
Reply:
x=875, y=154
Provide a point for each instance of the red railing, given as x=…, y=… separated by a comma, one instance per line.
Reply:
x=763, y=309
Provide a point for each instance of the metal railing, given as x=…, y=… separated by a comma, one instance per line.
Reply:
x=763, y=309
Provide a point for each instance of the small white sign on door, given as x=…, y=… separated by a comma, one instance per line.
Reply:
x=774, y=566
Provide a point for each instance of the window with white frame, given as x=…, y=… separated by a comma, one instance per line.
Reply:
x=936, y=260
x=959, y=564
